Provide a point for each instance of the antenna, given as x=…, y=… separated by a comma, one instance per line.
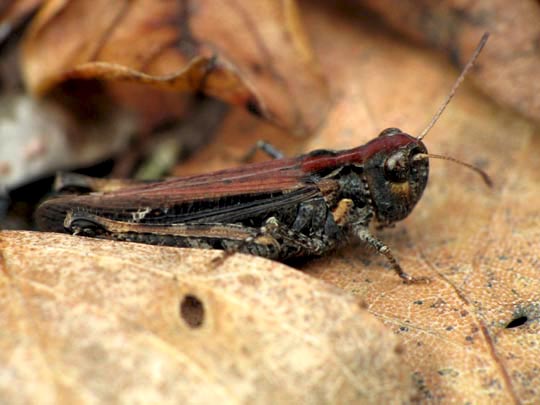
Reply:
x=458, y=81
x=482, y=173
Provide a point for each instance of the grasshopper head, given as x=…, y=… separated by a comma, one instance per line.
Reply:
x=397, y=175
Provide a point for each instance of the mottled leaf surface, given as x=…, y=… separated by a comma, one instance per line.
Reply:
x=86, y=320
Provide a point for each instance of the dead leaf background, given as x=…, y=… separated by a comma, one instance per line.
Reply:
x=12, y=12
x=479, y=246
x=107, y=322
x=507, y=64
x=240, y=52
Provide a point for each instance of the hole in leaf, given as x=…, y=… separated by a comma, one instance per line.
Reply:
x=192, y=311
x=514, y=323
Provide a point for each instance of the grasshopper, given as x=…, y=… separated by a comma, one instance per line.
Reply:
x=287, y=207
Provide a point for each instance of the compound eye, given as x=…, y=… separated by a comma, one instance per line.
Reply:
x=396, y=168
x=390, y=132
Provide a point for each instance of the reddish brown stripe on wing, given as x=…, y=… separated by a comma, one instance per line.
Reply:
x=276, y=175
x=313, y=164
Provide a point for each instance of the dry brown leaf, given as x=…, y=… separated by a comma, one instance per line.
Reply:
x=510, y=61
x=13, y=11
x=480, y=247
x=85, y=320
x=252, y=54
